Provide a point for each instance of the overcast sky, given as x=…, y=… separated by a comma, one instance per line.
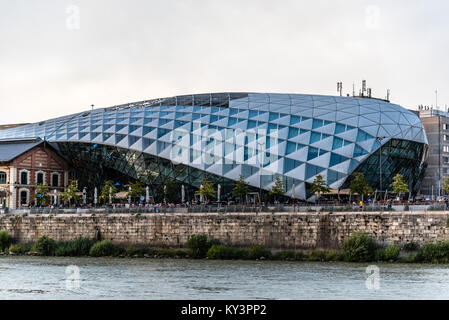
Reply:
x=59, y=57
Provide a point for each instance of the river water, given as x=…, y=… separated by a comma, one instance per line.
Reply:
x=115, y=278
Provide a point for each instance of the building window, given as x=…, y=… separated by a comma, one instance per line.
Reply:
x=2, y=177
x=24, y=177
x=445, y=159
x=23, y=198
x=445, y=126
x=40, y=178
x=445, y=148
x=55, y=180
x=446, y=137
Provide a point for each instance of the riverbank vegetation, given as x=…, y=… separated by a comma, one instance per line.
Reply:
x=358, y=247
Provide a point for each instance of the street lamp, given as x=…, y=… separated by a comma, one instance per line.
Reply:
x=380, y=161
x=261, y=144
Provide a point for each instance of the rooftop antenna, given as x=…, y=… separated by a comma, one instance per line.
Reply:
x=388, y=95
x=353, y=89
x=363, y=87
x=436, y=99
x=369, y=92
x=92, y=106
x=340, y=88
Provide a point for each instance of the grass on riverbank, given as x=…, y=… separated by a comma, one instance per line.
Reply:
x=358, y=247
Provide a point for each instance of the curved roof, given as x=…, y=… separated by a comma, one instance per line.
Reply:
x=301, y=135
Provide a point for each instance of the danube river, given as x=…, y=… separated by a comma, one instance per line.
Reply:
x=110, y=278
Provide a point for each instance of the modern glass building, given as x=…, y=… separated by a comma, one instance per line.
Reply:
x=224, y=135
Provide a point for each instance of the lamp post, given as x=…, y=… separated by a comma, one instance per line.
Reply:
x=380, y=162
x=261, y=144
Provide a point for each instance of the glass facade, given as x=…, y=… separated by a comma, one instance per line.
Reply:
x=398, y=156
x=224, y=135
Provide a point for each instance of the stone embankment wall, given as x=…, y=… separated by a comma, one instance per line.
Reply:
x=276, y=231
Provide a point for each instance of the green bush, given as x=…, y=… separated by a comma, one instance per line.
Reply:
x=258, y=251
x=19, y=248
x=435, y=252
x=104, y=248
x=132, y=251
x=220, y=252
x=316, y=255
x=408, y=259
x=333, y=255
x=199, y=245
x=45, y=246
x=391, y=253
x=285, y=255
x=5, y=240
x=240, y=253
x=359, y=247
x=172, y=253
x=411, y=246
x=75, y=248
x=300, y=256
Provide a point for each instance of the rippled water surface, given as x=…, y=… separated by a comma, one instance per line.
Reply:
x=108, y=278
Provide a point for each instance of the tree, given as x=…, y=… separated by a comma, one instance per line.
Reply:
x=240, y=189
x=358, y=185
x=172, y=190
x=137, y=190
x=70, y=193
x=446, y=185
x=278, y=189
x=169, y=191
x=41, y=196
x=399, y=186
x=206, y=190
x=108, y=188
x=319, y=186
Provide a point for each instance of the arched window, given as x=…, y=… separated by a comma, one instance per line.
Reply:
x=55, y=180
x=40, y=178
x=24, y=177
x=2, y=177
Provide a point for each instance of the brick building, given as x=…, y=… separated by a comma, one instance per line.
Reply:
x=24, y=164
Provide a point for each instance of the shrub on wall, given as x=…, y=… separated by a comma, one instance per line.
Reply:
x=45, y=246
x=258, y=251
x=359, y=247
x=5, y=240
x=411, y=246
x=199, y=245
x=220, y=252
x=103, y=248
x=75, y=248
x=19, y=248
x=391, y=253
x=284, y=255
x=434, y=252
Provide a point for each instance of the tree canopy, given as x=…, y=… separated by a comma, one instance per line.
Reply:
x=359, y=186
x=137, y=190
x=319, y=186
x=278, y=189
x=240, y=189
x=41, y=196
x=70, y=193
x=206, y=190
x=108, y=188
x=446, y=185
x=399, y=186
